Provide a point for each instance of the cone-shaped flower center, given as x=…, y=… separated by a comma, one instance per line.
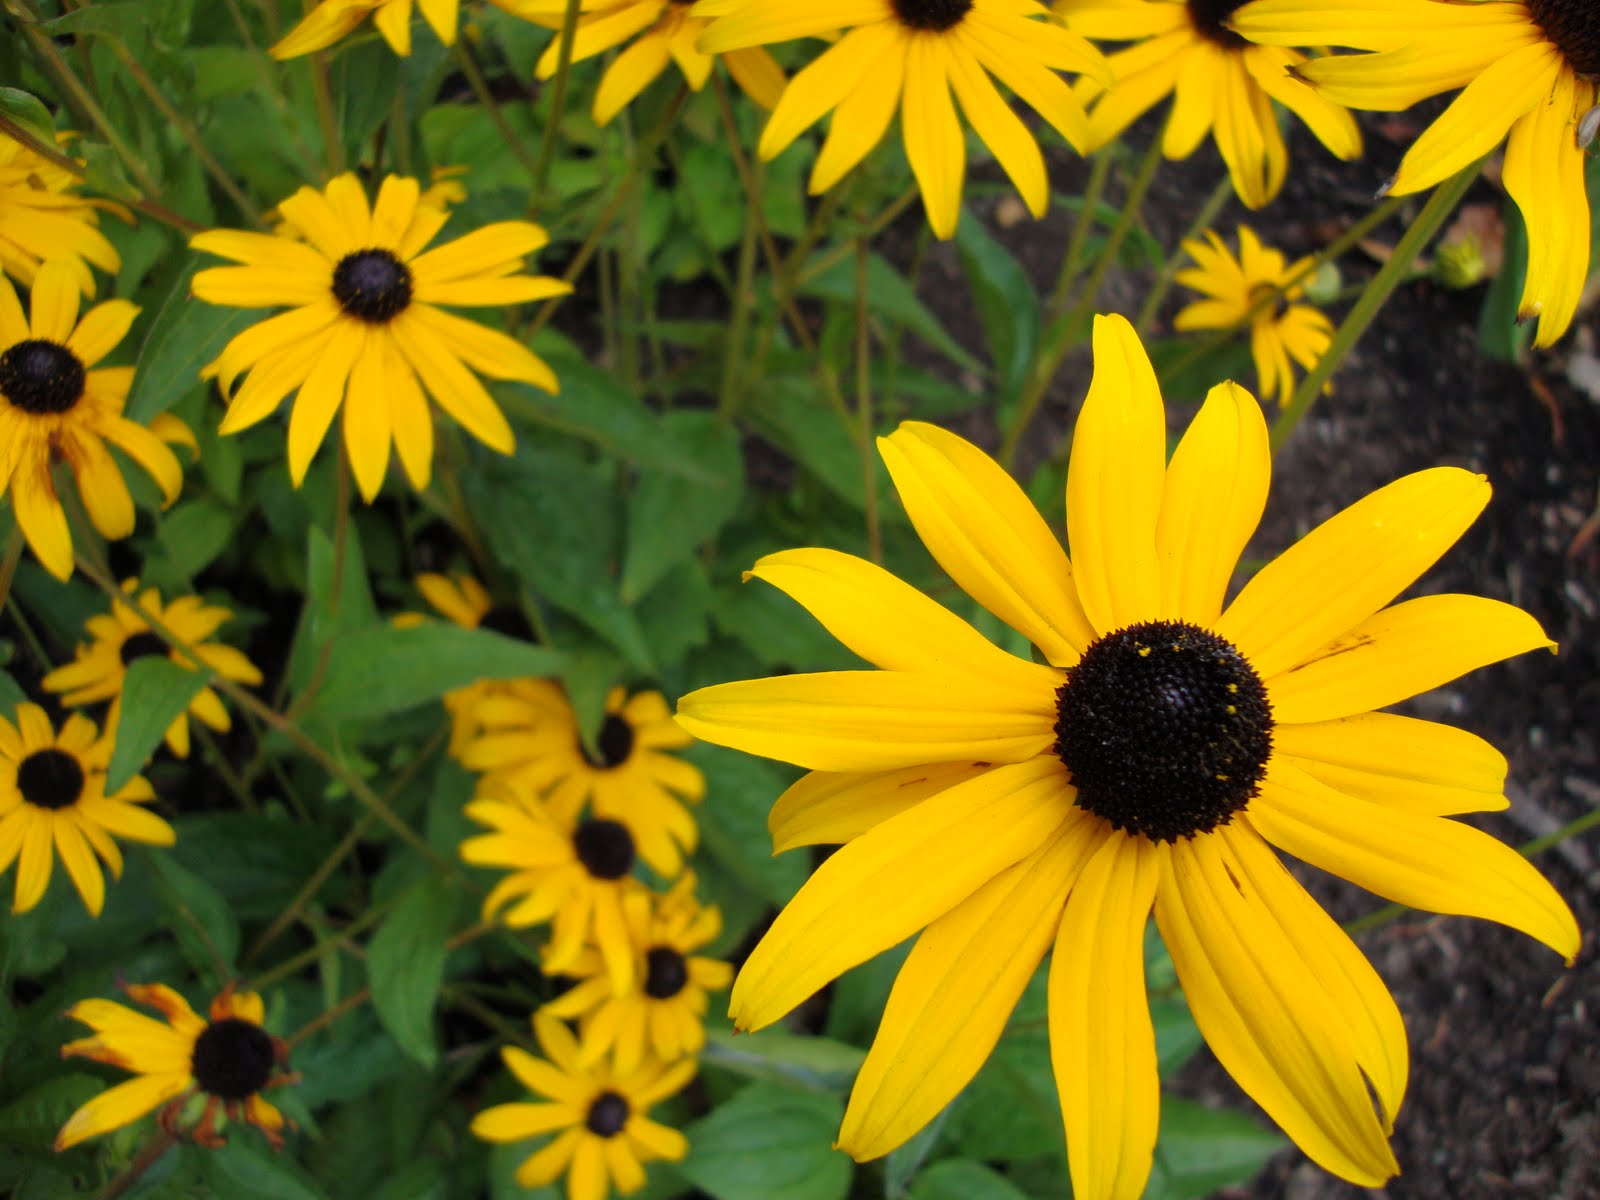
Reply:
x=1209, y=17
x=509, y=621
x=937, y=15
x=613, y=745
x=50, y=779
x=40, y=377
x=608, y=1113
x=665, y=973
x=1166, y=730
x=372, y=285
x=141, y=645
x=232, y=1059
x=1574, y=28
x=605, y=848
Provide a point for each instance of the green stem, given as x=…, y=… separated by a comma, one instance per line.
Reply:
x=332, y=142
x=864, y=444
x=1439, y=206
x=1163, y=284
x=1072, y=261
x=743, y=295
x=558, y=99
x=480, y=89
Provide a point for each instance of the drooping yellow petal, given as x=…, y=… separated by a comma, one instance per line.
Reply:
x=118, y=1106
x=935, y=143
x=834, y=807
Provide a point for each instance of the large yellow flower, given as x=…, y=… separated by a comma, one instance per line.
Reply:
x=908, y=56
x=664, y=1012
x=1154, y=758
x=42, y=218
x=53, y=803
x=1221, y=85
x=597, y=1112
x=99, y=669
x=54, y=408
x=662, y=32
x=1529, y=72
x=1281, y=331
x=526, y=734
x=229, y=1059
x=365, y=324
x=333, y=20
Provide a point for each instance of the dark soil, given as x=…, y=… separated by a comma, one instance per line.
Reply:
x=1505, y=1041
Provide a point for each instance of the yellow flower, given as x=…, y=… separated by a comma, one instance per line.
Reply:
x=41, y=218
x=335, y=19
x=664, y=1014
x=663, y=31
x=53, y=408
x=100, y=669
x=365, y=324
x=574, y=874
x=229, y=1059
x=53, y=803
x=1529, y=72
x=1221, y=84
x=528, y=737
x=597, y=1113
x=908, y=56
x=1281, y=331
x=1154, y=758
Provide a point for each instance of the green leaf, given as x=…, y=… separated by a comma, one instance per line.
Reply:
x=193, y=534
x=405, y=964
x=1500, y=335
x=670, y=516
x=185, y=336
x=1201, y=1150
x=241, y=1170
x=203, y=922
x=22, y=108
x=381, y=669
x=733, y=826
x=156, y=692
x=11, y=695
x=768, y=1143
x=962, y=1179
x=1007, y=307
x=813, y=1064
x=891, y=297
x=32, y=1120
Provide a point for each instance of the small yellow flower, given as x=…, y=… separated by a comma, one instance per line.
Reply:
x=41, y=218
x=919, y=58
x=664, y=1014
x=365, y=329
x=229, y=1059
x=333, y=20
x=53, y=803
x=663, y=31
x=1280, y=331
x=528, y=737
x=55, y=408
x=573, y=873
x=100, y=668
x=597, y=1112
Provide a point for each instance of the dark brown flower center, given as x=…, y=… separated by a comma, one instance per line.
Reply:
x=372, y=285
x=232, y=1059
x=141, y=645
x=50, y=779
x=605, y=848
x=666, y=973
x=614, y=744
x=40, y=377
x=1210, y=22
x=1573, y=26
x=1166, y=730
x=502, y=618
x=937, y=15
x=608, y=1113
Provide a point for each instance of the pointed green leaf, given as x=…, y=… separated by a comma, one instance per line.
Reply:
x=155, y=693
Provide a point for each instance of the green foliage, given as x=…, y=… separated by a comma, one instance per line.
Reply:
x=768, y=1143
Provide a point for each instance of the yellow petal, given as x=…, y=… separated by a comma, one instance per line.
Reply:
x=53, y=302
x=1000, y=129
x=319, y=398
x=935, y=143
x=860, y=119
x=119, y=1106
x=893, y=881
x=834, y=807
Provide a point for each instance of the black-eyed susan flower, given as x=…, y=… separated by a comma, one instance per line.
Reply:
x=664, y=1013
x=42, y=217
x=1163, y=750
x=229, y=1060
x=919, y=58
x=53, y=804
x=528, y=736
x=569, y=872
x=1280, y=332
x=366, y=331
x=55, y=408
x=597, y=1112
x=121, y=637
x=1221, y=84
x=1529, y=71
x=333, y=20
x=661, y=32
